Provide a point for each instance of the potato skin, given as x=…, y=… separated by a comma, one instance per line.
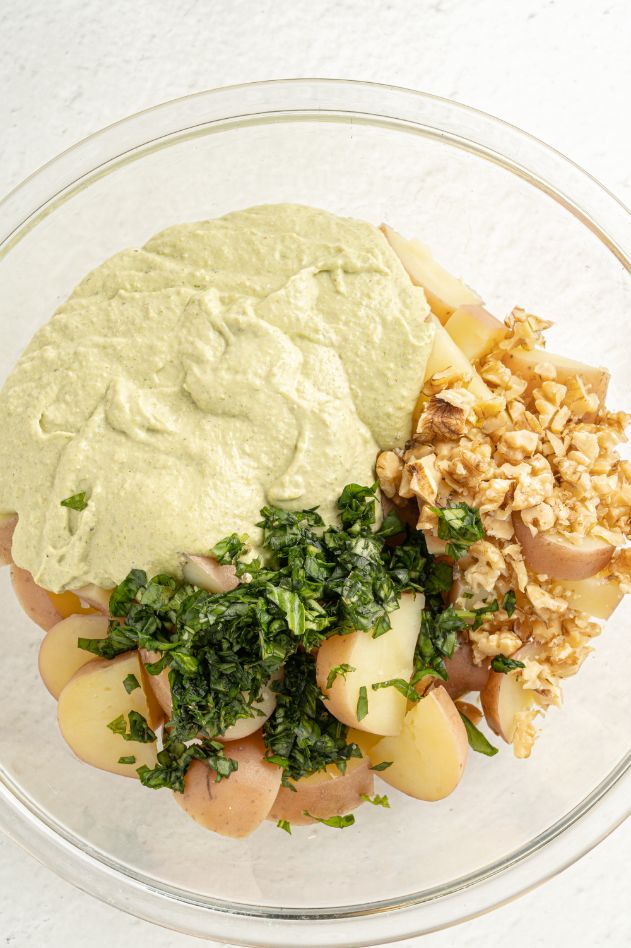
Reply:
x=8, y=524
x=238, y=804
x=558, y=559
x=34, y=600
x=325, y=794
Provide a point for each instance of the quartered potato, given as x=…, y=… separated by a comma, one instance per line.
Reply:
x=93, y=698
x=35, y=601
x=504, y=697
x=553, y=555
x=523, y=362
x=59, y=655
x=208, y=574
x=598, y=596
x=475, y=331
x=325, y=794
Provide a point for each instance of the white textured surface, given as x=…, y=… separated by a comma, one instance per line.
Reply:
x=559, y=69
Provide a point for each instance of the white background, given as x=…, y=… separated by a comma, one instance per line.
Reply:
x=560, y=69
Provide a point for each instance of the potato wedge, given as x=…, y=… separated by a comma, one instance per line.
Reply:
x=429, y=755
x=555, y=556
x=523, y=362
x=598, y=596
x=325, y=794
x=464, y=675
x=35, y=601
x=444, y=292
x=239, y=803
x=206, y=573
x=504, y=697
x=475, y=331
x=59, y=655
x=372, y=660
x=8, y=523
x=93, y=698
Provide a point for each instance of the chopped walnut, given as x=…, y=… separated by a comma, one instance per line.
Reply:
x=441, y=420
x=389, y=470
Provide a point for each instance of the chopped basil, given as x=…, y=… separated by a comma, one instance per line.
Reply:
x=139, y=730
x=509, y=603
x=382, y=766
x=500, y=663
x=130, y=683
x=461, y=526
x=127, y=760
x=477, y=740
x=362, y=703
x=341, y=670
x=407, y=690
x=377, y=800
x=337, y=822
x=76, y=502
x=284, y=825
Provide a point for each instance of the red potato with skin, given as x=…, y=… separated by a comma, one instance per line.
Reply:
x=8, y=524
x=94, y=596
x=552, y=555
x=238, y=804
x=59, y=655
x=475, y=331
x=206, y=573
x=523, y=362
x=34, y=600
x=504, y=697
x=325, y=794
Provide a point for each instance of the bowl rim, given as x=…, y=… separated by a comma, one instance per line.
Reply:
x=464, y=127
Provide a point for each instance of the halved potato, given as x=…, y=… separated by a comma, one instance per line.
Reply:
x=59, y=655
x=93, y=698
x=429, y=755
x=239, y=803
x=325, y=794
x=598, y=596
x=464, y=675
x=444, y=292
x=524, y=361
x=390, y=656
x=475, y=331
x=504, y=697
x=35, y=601
x=555, y=556
x=206, y=573
x=8, y=523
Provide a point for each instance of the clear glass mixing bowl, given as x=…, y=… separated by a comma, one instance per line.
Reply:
x=523, y=225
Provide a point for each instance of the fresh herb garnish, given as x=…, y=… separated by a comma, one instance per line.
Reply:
x=382, y=766
x=461, y=526
x=76, y=502
x=377, y=800
x=404, y=687
x=139, y=730
x=130, y=683
x=175, y=758
x=337, y=822
x=284, y=825
x=362, y=704
x=127, y=760
x=338, y=670
x=477, y=740
x=500, y=663
x=509, y=603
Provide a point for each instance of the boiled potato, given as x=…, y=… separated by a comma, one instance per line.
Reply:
x=475, y=331
x=523, y=363
x=373, y=660
x=444, y=292
x=325, y=794
x=504, y=697
x=95, y=597
x=429, y=755
x=35, y=601
x=598, y=596
x=68, y=604
x=464, y=674
x=7, y=526
x=206, y=573
x=239, y=803
x=60, y=656
x=555, y=556
x=93, y=698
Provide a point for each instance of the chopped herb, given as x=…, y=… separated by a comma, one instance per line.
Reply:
x=377, y=800
x=337, y=822
x=341, y=670
x=503, y=664
x=382, y=766
x=405, y=687
x=477, y=740
x=461, y=526
x=139, y=730
x=509, y=603
x=130, y=683
x=175, y=758
x=229, y=549
x=284, y=825
x=76, y=502
x=362, y=703
x=127, y=760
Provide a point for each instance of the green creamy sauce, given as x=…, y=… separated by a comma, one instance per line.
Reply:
x=261, y=358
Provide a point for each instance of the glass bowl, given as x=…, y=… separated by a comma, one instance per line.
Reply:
x=524, y=226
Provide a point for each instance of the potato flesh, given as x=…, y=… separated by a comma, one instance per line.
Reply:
x=598, y=596
x=94, y=596
x=475, y=331
x=93, y=698
x=8, y=523
x=389, y=656
x=444, y=292
x=68, y=604
x=238, y=804
x=429, y=755
x=504, y=697
x=206, y=573
x=59, y=655
x=523, y=362
x=555, y=556
x=325, y=794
